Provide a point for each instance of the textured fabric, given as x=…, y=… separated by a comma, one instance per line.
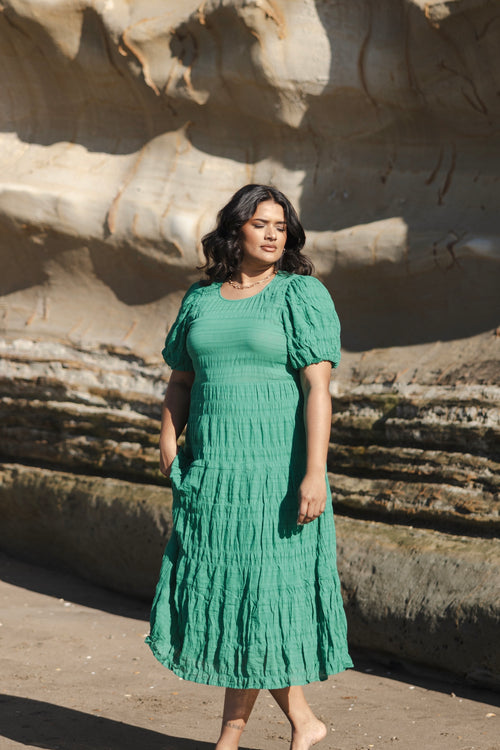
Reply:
x=246, y=597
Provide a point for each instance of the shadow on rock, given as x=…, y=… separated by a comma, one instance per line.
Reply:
x=45, y=725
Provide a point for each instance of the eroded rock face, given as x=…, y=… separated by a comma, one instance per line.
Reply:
x=125, y=126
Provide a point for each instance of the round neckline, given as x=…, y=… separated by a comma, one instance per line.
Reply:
x=252, y=296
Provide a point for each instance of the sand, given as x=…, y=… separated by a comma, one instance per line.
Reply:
x=76, y=675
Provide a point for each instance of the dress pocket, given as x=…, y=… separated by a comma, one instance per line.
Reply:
x=175, y=472
x=179, y=469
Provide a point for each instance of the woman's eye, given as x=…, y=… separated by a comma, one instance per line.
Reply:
x=281, y=229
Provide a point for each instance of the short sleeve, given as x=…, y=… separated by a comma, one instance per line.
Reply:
x=175, y=351
x=311, y=323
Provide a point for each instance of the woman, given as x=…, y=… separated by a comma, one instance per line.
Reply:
x=248, y=595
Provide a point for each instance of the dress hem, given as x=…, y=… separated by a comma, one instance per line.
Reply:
x=246, y=683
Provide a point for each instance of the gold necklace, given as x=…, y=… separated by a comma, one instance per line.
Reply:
x=249, y=286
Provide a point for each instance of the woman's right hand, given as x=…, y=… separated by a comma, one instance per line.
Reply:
x=167, y=455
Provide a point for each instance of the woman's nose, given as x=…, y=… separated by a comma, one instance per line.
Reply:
x=270, y=233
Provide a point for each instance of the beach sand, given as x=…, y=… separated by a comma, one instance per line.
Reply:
x=76, y=675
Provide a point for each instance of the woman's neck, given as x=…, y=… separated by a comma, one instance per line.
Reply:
x=250, y=275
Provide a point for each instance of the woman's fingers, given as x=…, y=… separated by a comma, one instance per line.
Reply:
x=309, y=510
x=312, y=497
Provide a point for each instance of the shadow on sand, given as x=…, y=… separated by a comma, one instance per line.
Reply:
x=65, y=585
x=44, y=725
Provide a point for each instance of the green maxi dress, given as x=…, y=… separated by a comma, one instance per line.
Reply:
x=246, y=597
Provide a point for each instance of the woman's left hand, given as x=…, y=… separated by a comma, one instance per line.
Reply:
x=312, y=497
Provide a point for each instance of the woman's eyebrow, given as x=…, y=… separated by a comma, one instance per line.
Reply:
x=267, y=221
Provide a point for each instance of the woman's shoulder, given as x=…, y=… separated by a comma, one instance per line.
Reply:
x=195, y=292
x=297, y=285
x=195, y=289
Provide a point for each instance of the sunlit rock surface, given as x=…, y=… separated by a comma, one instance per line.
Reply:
x=125, y=126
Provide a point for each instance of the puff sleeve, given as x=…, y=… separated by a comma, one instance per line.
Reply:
x=175, y=351
x=311, y=323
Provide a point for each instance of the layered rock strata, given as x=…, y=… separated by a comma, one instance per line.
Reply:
x=406, y=446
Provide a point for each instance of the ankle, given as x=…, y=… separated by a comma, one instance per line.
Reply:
x=307, y=735
x=230, y=736
x=301, y=716
x=226, y=743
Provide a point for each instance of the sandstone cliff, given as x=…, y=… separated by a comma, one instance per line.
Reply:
x=126, y=125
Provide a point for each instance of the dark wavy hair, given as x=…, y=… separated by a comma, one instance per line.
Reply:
x=221, y=246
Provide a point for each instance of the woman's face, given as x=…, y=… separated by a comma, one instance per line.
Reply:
x=263, y=237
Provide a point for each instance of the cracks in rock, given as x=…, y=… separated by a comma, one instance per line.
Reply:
x=453, y=238
x=130, y=331
x=387, y=172
x=480, y=106
x=436, y=169
x=481, y=34
x=110, y=220
x=362, y=56
x=16, y=26
x=447, y=181
x=450, y=246
x=412, y=78
x=316, y=143
x=142, y=61
x=475, y=100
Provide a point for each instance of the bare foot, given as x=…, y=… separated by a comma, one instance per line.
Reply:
x=224, y=744
x=308, y=734
x=230, y=735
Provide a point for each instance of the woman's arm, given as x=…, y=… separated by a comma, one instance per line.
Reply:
x=315, y=380
x=174, y=416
